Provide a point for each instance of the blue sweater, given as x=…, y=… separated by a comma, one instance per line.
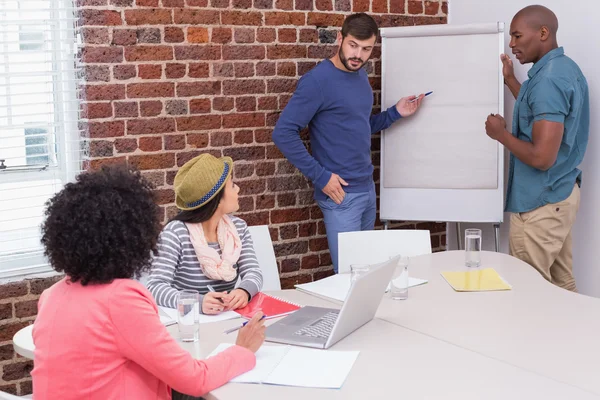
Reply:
x=336, y=105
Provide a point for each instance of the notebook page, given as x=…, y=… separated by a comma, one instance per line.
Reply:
x=313, y=368
x=334, y=287
x=267, y=358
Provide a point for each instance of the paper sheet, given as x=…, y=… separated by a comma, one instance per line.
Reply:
x=169, y=316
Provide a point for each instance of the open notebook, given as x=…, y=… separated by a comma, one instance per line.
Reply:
x=297, y=366
x=477, y=280
x=336, y=287
x=168, y=316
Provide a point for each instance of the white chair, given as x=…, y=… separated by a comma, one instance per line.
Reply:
x=263, y=247
x=8, y=396
x=371, y=247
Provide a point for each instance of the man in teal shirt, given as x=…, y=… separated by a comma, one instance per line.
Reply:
x=548, y=141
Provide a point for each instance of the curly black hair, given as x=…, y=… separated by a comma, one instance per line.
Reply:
x=102, y=227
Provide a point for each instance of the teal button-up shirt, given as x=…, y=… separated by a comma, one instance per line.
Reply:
x=555, y=91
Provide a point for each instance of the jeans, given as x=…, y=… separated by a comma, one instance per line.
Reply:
x=355, y=213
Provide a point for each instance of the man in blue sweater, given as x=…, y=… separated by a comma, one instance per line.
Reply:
x=335, y=100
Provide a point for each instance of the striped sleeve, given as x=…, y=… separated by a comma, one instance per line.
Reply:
x=248, y=268
x=164, y=266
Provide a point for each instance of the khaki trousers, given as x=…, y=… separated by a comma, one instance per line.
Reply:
x=542, y=238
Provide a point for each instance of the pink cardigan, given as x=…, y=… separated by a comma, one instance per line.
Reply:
x=107, y=342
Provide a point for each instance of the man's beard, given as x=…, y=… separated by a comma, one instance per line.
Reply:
x=346, y=62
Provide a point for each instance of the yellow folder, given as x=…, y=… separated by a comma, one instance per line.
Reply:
x=477, y=280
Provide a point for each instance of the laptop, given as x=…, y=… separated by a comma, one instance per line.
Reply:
x=323, y=327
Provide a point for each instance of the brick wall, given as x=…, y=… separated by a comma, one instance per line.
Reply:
x=168, y=79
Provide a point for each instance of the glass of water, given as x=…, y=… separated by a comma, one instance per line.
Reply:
x=473, y=247
x=399, y=286
x=357, y=270
x=188, y=315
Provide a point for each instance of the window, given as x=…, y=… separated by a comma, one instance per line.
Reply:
x=39, y=136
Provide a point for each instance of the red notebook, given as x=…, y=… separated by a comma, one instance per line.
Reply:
x=269, y=305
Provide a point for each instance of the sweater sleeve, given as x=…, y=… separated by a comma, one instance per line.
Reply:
x=384, y=119
x=302, y=107
x=249, y=270
x=133, y=311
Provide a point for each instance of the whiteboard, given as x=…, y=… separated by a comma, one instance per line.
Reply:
x=439, y=164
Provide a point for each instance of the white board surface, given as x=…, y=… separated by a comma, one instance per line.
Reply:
x=439, y=165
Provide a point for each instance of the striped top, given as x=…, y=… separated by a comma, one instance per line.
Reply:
x=176, y=266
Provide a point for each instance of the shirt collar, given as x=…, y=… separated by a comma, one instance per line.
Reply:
x=559, y=51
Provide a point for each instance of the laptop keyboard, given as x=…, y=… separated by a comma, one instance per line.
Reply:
x=321, y=328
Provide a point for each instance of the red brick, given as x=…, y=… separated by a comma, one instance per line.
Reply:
x=360, y=5
x=432, y=8
x=174, y=70
x=145, y=90
x=310, y=262
x=287, y=35
x=245, y=35
x=16, y=371
x=146, y=3
x=263, y=4
x=150, y=143
x=304, y=5
x=322, y=52
x=444, y=11
x=286, y=200
x=284, y=4
x=223, y=103
x=148, y=53
x=150, y=126
x=256, y=218
x=95, y=165
x=176, y=107
x=243, y=137
x=220, y=139
x=427, y=20
x=95, y=35
x=97, y=110
x=121, y=3
x=241, y=18
x=188, y=89
x=200, y=106
x=244, y=104
x=26, y=387
x=8, y=331
x=186, y=156
x=324, y=19
x=150, y=71
x=197, y=35
x=287, y=249
x=198, y=52
x=91, y=3
x=323, y=274
x=223, y=69
x=285, y=18
x=126, y=145
x=307, y=229
x=265, y=68
x=153, y=161
x=391, y=20
x=325, y=5
x=102, y=54
x=267, y=103
x=379, y=6
x=198, y=123
x=415, y=7
x=173, y=34
x=285, y=167
x=164, y=196
x=6, y=312
x=148, y=35
x=221, y=35
x=124, y=37
x=282, y=184
x=248, y=187
x=246, y=86
x=318, y=244
x=106, y=129
x=241, y=3
x=265, y=202
x=215, y=3
x=173, y=3
x=198, y=3
x=186, y=16
x=397, y=6
x=174, y=142
x=246, y=204
x=196, y=140
x=304, y=67
x=281, y=85
x=265, y=35
x=198, y=70
x=243, y=120
x=103, y=92
x=263, y=135
x=266, y=168
x=125, y=109
x=243, y=170
x=148, y=17
x=25, y=309
x=124, y=71
x=243, y=52
x=290, y=265
x=6, y=353
x=286, y=69
x=284, y=51
x=243, y=70
x=150, y=108
x=271, y=119
x=99, y=17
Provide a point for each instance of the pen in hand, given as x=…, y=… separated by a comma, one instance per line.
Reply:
x=212, y=289
x=416, y=98
x=237, y=328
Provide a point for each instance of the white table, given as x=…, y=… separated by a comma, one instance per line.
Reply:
x=536, y=326
x=23, y=342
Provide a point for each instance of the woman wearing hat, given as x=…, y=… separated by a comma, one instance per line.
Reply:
x=203, y=245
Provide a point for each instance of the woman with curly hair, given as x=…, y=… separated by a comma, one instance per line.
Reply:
x=98, y=334
x=203, y=245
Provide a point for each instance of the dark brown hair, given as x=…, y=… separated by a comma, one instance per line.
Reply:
x=361, y=26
